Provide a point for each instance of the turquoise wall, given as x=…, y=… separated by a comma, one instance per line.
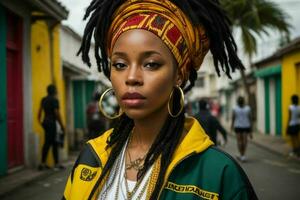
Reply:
x=267, y=105
x=3, y=95
x=278, y=104
x=83, y=93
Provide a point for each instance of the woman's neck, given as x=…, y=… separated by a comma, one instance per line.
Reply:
x=146, y=130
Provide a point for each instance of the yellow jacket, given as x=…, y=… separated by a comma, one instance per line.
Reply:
x=193, y=151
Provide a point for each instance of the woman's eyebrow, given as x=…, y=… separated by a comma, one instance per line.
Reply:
x=149, y=53
x=144, y=54
x=117, y=53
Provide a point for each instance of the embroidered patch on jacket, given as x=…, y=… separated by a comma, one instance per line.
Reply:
x=192, y=189
x=87, y=174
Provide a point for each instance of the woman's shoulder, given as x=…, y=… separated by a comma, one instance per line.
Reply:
x=90, y=153
x=219, y=157
x=102, y=138
x=219, y=172
x=215, y=161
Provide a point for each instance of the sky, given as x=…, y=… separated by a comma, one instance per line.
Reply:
x=291, y=7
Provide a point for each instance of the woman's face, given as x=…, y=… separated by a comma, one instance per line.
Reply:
x=143, y=74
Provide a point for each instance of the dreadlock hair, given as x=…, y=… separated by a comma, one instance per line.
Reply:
x=222, y=46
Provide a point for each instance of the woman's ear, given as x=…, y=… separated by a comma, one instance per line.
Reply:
x=179, y=78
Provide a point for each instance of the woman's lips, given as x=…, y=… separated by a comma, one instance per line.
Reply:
x=133, y=99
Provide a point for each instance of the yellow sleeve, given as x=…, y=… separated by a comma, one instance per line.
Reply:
x=67, y=191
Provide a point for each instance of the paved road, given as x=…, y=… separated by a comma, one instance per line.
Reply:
x=50, y=188
x=274, y=178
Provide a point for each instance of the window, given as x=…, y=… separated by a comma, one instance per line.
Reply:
x=200, y=82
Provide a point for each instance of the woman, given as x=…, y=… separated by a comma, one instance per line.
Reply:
x=50, y=107
x=241, y=123
x=150, y=50
x=293, y=128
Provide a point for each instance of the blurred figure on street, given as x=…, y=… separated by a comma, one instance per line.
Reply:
x=51, y=124
x=95, y=120
x=209, y=122
x=215, y=108
x=241, y=124
x=293, y=127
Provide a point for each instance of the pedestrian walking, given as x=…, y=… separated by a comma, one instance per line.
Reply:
x=51, y=123
x=293, y=128
x=241, y=124
x=209, y=122
x=151, y=50
x=95, y=120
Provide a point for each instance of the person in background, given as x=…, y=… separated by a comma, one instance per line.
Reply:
x=95, y=120
x=209, y=122
x=293, y=127
x=50, y=107
x=241, y=123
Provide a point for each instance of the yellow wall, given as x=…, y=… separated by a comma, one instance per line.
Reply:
x=41, y=73
x=58, y=77
x=290, y=84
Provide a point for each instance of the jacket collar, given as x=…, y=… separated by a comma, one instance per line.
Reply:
x=195, y=141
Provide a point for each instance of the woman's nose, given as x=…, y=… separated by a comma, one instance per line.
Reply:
x=134, y=76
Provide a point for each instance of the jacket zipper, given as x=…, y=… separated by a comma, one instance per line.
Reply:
x=163, y=186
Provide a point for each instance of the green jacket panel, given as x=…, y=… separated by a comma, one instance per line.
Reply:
x=211, y=174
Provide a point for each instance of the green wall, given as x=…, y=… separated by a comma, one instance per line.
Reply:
x=3, y=103
x=78, y=104
x=83, y=93
x=267, y=105
x=89, y=90
x=278, y=104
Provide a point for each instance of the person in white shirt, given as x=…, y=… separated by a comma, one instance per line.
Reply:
x=241, y=124
x=293, y=128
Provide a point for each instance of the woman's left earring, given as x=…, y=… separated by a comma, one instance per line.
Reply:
x=181, y=102
x=102, y=109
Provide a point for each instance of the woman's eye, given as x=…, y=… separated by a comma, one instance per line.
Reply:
x=152, y=65
x=119, y=65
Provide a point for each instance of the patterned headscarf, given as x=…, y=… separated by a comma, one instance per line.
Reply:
x=188, y=44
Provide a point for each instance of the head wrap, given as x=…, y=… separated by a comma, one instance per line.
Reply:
x=189, y=44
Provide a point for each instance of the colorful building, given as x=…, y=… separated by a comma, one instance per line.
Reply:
x=81, y=82
x=29, y=61
x=278, y=78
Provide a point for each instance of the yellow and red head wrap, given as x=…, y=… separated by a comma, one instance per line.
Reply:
x=189, y=44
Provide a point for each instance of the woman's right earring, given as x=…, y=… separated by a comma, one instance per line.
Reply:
x=102, y=109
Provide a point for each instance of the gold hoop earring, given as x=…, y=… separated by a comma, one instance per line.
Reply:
x=181, y=102
x=102, y=109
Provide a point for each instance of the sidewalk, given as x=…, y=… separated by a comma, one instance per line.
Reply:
x=15, y=180
x=271, y=143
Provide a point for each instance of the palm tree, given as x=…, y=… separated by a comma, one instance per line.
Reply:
x=255, y=18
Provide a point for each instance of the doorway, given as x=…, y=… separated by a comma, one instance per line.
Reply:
x=14, y=90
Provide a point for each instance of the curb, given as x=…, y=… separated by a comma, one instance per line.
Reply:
x=27, y=182
x=43, y=175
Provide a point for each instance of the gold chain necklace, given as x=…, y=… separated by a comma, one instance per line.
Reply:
x=150, y=183
x=136, y=187
x=136, y=164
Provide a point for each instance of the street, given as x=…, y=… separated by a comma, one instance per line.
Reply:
x=274, y=177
